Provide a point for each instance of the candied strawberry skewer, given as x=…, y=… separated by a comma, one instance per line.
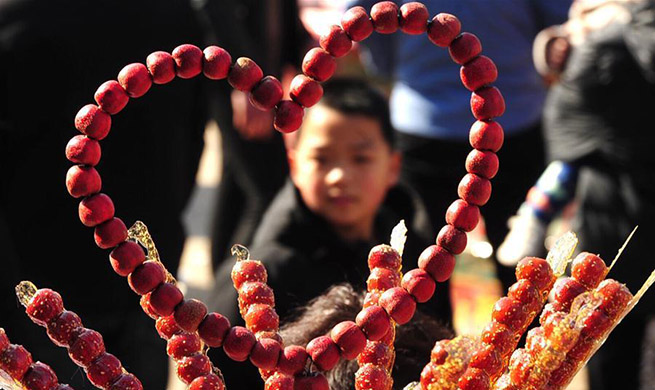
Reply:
x=18, y=369
x=376, y=360
x=85, y=346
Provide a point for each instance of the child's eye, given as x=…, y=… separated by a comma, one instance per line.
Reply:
x=319, y=159
x=362, y=159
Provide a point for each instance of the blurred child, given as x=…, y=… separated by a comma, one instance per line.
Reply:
x=340, y=201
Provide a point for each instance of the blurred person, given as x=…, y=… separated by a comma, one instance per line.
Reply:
x=254, y=163
x=340, y=201
x=413, y=341
x=595, y=121
x=430, y=108
x=53, y=55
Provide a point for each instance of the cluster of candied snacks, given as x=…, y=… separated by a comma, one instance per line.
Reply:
x=584, y=310
x=188, y=327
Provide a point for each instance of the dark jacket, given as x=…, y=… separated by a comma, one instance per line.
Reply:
x=304, y=257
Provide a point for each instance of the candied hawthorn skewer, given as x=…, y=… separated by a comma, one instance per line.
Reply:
x=587, y=271
x=257, y=307
x=183, y=323
x=85, y=346
x=448, y=361
x=531, y=367
x=376, y=360
x=527, y=368
x=546, y=348
x=511, y=315
x=600, y=311
x=17, y=370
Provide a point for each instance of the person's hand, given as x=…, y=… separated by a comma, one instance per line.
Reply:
x=557, y=52
x=525, y=238
x=550, y=52
x=250, y=122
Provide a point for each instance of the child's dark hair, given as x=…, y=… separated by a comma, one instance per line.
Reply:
x=413, y=343
x=357, y=97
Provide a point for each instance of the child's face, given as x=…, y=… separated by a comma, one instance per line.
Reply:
x=343, y=168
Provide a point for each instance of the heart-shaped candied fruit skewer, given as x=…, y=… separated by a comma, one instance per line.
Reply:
x=161, y=298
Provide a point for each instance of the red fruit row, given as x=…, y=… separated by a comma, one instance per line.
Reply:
x=86, y=347
x=376, y=359
x=249, y=276
x=17, y=362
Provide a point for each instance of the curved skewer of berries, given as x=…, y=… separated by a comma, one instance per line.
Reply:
x=161, y=297
x=17, y=370
x=85, y=346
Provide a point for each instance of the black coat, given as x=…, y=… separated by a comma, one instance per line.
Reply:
x=304, y=257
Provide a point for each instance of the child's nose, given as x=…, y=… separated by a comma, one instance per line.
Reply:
x=336, y=175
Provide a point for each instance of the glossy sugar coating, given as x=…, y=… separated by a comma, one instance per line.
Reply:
x=444, y=376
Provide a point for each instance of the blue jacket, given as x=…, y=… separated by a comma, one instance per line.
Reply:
x=429, y=100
